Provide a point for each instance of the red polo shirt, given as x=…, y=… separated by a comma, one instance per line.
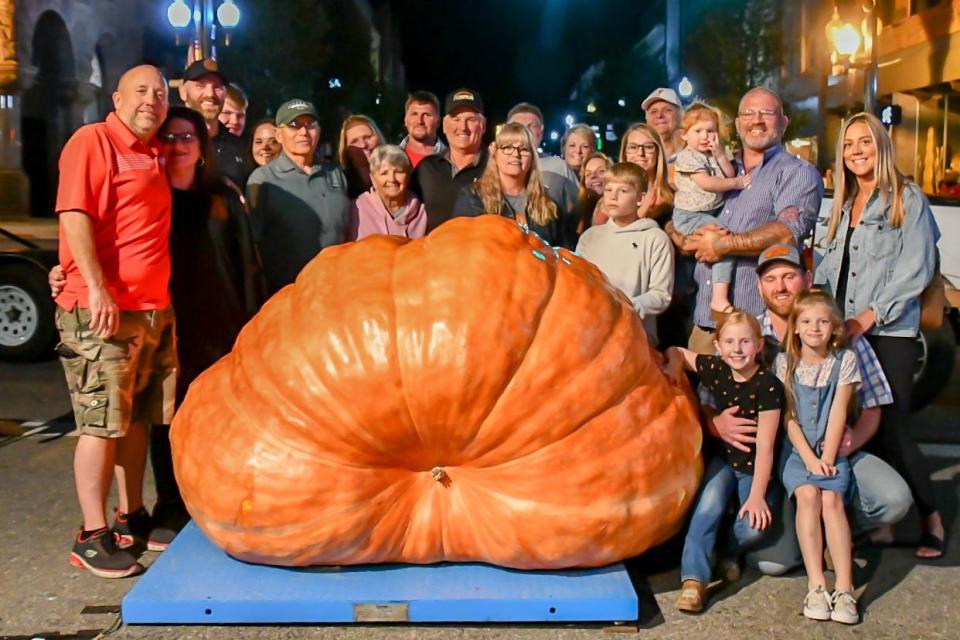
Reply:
x=109, y=174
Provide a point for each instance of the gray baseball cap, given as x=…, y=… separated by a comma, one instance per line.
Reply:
x=293, y=109
x=779, y=253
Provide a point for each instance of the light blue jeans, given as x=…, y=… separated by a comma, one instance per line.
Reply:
x=720, y=482
x=687, y=222
x=880, y=497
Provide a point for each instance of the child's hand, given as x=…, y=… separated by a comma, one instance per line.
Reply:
x=758, y=512
x=672, y=368
x=818, y=467
x=745, y=180
x=713, y=144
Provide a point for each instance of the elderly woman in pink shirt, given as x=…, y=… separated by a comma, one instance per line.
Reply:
x=388, y=208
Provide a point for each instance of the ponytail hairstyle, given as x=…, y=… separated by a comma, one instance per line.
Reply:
x=792, y=345
x=890, y=181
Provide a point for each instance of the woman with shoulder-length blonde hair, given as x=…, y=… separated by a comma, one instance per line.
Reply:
x=359, y=136
x=591, y=189
x=578, y=143
x=878, y=256
x=511, y=186
x=641, y=145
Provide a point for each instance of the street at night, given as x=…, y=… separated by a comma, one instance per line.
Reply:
x=499, y=319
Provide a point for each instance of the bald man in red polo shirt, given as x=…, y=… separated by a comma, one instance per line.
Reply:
x=117, y=343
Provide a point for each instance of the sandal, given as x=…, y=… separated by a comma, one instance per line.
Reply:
x=930, y=541
x=717, y=316
x=691, y=597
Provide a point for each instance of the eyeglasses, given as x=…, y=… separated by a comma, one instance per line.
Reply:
x=647, y=149
x=514, y=150
x=171, y=138
x=312, y=125
x=750, y=114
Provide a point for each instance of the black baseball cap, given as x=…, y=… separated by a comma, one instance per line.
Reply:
x=462, y=98
x=200, y=68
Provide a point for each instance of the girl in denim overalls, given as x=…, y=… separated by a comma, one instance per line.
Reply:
x=819, y=378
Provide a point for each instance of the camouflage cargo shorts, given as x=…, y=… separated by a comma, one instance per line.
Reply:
x=128, y=378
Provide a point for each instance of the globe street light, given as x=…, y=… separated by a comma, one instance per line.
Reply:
x=180, y=15
x=845, y=40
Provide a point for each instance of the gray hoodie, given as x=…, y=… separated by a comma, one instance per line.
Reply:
x=638, y=260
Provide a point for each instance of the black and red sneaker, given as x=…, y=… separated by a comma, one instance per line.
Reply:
x=132, y=528
x=99, y=554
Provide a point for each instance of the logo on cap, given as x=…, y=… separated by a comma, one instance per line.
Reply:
x=210, y=64
x=299, y=105
x=463, y=95
x=776, y=252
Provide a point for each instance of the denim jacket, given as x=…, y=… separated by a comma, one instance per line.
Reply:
x=889, y=266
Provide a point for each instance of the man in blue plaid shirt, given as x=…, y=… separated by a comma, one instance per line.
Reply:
x=881, y=497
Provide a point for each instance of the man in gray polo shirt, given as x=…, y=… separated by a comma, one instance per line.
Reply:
x=297, y=207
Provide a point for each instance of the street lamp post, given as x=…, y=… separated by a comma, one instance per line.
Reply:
x=205, y=20
x=845, y=40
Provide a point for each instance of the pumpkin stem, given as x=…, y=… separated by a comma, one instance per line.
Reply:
x=438, y=474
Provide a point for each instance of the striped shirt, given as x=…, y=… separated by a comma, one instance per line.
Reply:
x=874, y=389
x=780, y=182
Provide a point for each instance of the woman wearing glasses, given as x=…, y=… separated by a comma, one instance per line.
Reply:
x=511, y=186
x=641, y=145
x=215, y=285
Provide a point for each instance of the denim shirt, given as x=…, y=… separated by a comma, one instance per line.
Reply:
x=889, y=266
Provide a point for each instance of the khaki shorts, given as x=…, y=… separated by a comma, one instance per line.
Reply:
x=129, y=378
x=701, y=341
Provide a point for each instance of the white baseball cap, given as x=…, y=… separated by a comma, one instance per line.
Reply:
x=664, y=94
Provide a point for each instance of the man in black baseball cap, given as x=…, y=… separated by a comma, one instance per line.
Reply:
x=204, y=90
x=439, y=178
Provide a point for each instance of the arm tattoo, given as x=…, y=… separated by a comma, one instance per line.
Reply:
x=751, y=243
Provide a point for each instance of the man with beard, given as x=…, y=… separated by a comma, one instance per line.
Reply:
x=879, y=497
x=421, y=118
x=781, y=206
x=204, y=90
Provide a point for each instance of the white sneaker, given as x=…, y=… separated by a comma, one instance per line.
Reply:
x=844, y=608
x=816, y=605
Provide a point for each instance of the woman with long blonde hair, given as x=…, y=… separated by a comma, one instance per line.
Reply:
x=512, y=186
x=878, y=256
x=359, y=136
x=642, y=145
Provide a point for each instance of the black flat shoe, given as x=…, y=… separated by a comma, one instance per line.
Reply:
x=930, y=541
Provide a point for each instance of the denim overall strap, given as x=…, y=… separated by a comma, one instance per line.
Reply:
x=813, y=406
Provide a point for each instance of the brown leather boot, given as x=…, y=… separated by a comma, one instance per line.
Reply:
x=691, y=597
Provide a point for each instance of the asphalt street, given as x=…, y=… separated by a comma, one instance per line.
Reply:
x=42, y=596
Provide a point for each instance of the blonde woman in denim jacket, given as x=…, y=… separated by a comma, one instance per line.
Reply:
x=880, y=254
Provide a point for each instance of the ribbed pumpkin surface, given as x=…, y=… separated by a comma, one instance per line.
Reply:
x=470, y=396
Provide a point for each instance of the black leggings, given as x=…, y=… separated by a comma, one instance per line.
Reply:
x=893, y=443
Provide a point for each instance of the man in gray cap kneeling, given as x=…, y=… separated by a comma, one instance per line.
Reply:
x=297, y=206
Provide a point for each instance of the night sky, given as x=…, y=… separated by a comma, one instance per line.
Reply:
x=515, y=50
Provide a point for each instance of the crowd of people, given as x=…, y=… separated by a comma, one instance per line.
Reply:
x=170, y=223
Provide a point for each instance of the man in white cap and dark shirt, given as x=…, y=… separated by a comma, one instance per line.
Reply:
x=664, y=114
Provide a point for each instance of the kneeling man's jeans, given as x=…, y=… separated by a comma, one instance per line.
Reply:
x=720, y=482
x=881, y=497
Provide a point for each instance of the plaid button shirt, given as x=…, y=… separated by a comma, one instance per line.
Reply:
x=874, y=388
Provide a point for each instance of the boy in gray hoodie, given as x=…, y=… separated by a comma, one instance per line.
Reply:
x=633, y=253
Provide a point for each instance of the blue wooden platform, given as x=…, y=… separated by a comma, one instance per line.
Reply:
x=194, y=582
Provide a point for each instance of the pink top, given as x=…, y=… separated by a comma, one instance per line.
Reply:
x=369, y=216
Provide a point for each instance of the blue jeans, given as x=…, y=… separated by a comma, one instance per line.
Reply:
x=720, y=482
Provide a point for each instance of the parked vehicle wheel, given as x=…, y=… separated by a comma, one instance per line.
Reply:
x=935, y=364
x=27, y=330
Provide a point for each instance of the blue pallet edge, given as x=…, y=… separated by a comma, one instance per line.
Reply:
x=194, y=582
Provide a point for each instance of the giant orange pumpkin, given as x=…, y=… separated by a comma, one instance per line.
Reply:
x=470, y=396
